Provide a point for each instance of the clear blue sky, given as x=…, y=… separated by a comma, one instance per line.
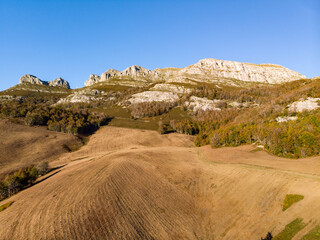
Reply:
x=75, y=38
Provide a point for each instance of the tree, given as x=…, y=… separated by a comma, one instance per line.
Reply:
x=268, y=237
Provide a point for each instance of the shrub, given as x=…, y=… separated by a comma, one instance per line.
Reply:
x=20, y=179
x=32, y=119
x=163, y=128
x=3, y=191
x=268, y=236
x=42, y=168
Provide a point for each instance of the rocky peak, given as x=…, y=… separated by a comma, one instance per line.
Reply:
x=264, y=73
x=136, y=71
x=60, y=82
x=28, y=78
x=93, y=78
x=109, y=74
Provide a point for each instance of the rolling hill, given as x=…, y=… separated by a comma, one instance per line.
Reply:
x=137, y=184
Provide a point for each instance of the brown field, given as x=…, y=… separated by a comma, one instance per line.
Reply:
x=137, y=184
x=22, y=146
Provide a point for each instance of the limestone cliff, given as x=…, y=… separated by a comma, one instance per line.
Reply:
x=59, y=82
x=205, y=70
x=32, y=79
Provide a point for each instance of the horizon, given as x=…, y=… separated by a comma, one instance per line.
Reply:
x=73, y=39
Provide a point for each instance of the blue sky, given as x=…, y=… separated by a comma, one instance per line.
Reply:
x=75, y=38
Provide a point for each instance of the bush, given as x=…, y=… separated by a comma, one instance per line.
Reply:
x=3, y=191
x=163, y=128
x=32, y=119
x=42, y=168
x=21, y=179
x=268, y=236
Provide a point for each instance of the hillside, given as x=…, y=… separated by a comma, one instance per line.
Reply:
x=218, y=114
x=22, y=146
x=127, y=184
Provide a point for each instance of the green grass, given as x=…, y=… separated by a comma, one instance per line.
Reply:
x=291, y=199
x=291, y=230
x=5, y=206
x=131, y=123
x=122, y=118
x=256, y=150
x=314, y=234
x=114, y=111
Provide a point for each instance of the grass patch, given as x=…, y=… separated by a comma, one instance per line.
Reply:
x=114, y=111
x=314, y=234
x=122, y=118
x=138, y=123
x=291, y=230
x=291, y=199
x=5, y=206
x=256, y=150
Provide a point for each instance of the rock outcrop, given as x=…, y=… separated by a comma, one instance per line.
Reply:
x=83, y=96
x=109, y=74
x=308, y=104
x=59, y=82
x=263, y=73
x=93, y=79
x=136, y=71
x=32, y=80
x=153, y=96
x=205, y=70
x=202, y=104
x=130, y=72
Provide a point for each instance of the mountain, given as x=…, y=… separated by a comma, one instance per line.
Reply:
x=206, y=70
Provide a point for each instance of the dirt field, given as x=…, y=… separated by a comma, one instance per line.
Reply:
x=136, y=184
x=22, y=146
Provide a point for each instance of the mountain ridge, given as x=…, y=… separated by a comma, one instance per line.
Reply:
x=58, y=82
x=205, y=70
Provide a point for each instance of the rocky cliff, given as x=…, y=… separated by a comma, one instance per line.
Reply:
x=32, y=79
x=205, y=70
x=59, y=82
